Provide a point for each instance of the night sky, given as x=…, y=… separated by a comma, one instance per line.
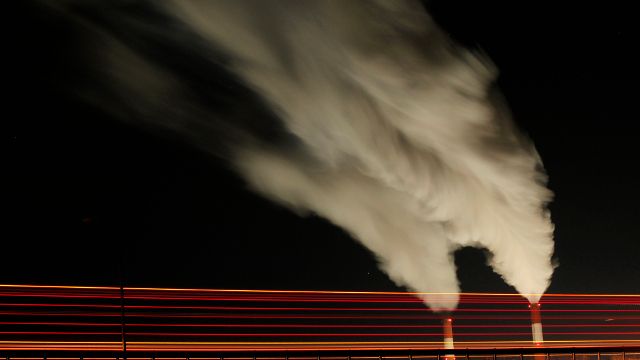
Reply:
x=90, y=200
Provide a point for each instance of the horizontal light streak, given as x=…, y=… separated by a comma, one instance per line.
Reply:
x=137, y=344
x=308, y=326
x=293, y=335
x=112, y=288
x=290, y=316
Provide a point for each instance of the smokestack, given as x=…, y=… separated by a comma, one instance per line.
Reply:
x=536, y=324
x=447, y=326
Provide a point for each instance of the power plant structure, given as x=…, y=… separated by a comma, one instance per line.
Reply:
x=447, y=327
x=536, y=324
x=536, y=329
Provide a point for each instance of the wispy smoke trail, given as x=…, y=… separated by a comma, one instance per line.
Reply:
x=392, y=131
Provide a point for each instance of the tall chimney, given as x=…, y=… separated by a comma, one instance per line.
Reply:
x=447, y=326
x=536, y=324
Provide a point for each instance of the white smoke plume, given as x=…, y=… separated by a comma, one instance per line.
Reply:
x=401, y=137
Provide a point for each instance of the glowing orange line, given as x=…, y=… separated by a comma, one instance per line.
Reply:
x=304, y=326
x=205, y=346
x=59, y=287
x=289, y=316
x=364, y=335
x=303, y=291
x=304, y=342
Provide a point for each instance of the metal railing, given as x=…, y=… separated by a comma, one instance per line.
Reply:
x=587, y=353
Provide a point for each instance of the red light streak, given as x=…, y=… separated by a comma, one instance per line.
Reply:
x=330, y=326
x=288, y=316
x=298, y=335
x=60, y=305
x=365, y=335
x=58, y=333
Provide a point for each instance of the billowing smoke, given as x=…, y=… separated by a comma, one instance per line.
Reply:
x=389, y=129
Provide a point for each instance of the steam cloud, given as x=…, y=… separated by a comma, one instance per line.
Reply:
x=392, y=131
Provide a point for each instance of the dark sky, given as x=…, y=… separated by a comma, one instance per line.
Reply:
x=90, y=200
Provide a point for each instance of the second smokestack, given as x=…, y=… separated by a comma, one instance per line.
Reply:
x=536, y=324
x=447, y=326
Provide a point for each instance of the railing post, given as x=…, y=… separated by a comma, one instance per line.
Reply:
x=122, y=320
